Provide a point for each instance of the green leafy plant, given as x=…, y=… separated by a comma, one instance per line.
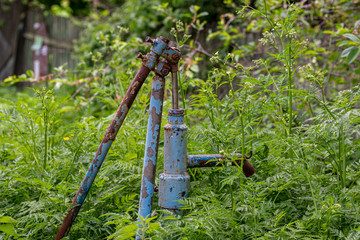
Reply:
x=260, y=76
x=7, y=225
x=351, y=53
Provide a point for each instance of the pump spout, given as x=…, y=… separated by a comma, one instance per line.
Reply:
x=212, y=160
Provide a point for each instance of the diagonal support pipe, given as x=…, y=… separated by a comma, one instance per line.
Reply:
x=103, y=149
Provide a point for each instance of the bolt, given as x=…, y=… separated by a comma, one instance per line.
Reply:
x=164, y=71
x=148, y=39
x=139, y=55
x=175, y=56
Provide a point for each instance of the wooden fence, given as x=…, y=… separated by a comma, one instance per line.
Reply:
x=61, y=33
x=17, y=37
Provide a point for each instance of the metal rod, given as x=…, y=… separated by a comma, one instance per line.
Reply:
x=103, y=149
x=212, y=160
x=175, y=90
x=152, y=146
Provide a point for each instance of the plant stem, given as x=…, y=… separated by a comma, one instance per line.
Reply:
x=242, y=138
x=312, y=192
x=289, y=66
x=342, y=155
x=232, y=200
x=326, y=108
x=283, y=121
x=322, y=93
x=46, y=137
x=241, y=115
x=182, y=96
x=312, y=113
x=33, y=136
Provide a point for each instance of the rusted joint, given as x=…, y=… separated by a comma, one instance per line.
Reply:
x=149, y=60
x=162, y=68
x=247, y=168
x=176, y=112
x=175, y=56
x=174, y=67
x=161, y=48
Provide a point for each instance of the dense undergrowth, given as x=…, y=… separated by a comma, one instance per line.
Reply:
x=291, y=97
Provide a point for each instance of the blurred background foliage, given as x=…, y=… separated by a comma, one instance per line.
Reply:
x=279, y=78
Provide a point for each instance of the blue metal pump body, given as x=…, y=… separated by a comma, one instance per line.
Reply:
x=174, y=183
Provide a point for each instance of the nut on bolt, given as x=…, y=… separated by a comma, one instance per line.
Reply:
x=164, y=71
x=175, y=56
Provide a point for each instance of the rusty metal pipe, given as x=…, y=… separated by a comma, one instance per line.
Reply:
x=103, y=149
x=212, y=160
x=175, y=90
x=151, y=146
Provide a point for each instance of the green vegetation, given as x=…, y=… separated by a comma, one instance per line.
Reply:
x=278, y=79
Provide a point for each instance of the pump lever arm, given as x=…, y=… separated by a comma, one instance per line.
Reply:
x=212, y=160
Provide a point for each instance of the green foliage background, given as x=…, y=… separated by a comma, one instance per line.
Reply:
x=278, y=79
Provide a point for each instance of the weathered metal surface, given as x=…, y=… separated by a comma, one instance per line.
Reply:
x=174, y=183
x=174, y=85
x=103, y=150
x=160, y=47
x=212, y=160
x=151, y=146
x=162, y=68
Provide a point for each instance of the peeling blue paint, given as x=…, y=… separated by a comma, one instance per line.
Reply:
x=157, y=104
x=145, y=204
x=159, y=46
x=174, y=183
x=208, y=160
x=151, y=146
x=151, y=61
x=157, y=86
